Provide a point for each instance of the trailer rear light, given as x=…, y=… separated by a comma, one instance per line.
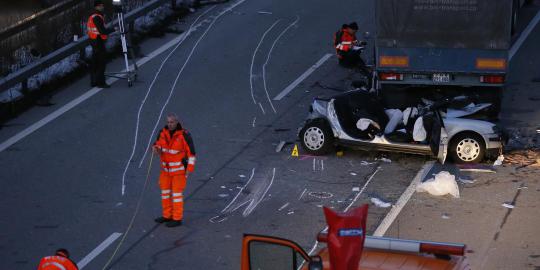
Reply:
x=492, y=79
x=490, y=63
x=402, y=245
x=390, y=77
x=393, y=61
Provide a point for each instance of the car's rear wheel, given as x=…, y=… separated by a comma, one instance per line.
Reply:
x=316, y=137
x=467, y=147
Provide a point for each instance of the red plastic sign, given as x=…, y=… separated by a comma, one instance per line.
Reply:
x=346, y=235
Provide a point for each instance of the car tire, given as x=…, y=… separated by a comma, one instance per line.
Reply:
x=316, y=137
x=467, y=147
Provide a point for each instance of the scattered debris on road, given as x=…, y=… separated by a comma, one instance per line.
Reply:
x=365, y=163
x=523, y=158
x=443, y=183
x=283, y=206
x=280, y=146
x=445, y=216
x=265, y=12
x=353, y=173
x=383, y=159
x=466, y=180
x=476, y=168
x=380, y=203
x=499, y=160
x=356, y=189
x=223, y=195
x=508, y=205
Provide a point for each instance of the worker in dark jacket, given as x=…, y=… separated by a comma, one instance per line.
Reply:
x=97, y=33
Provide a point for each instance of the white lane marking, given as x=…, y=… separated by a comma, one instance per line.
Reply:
x=72, y=104
x=136, y=137
x=94, y=253
x=27, y=131
x=182, y=69
x=240, y=191
x=349, y=206
x=524, y=35
x=402, y=201
x=303, y=77
x=268, y=59
x=253, y=59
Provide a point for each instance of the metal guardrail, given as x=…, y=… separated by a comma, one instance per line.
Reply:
x=22, y=75
x=33, y=20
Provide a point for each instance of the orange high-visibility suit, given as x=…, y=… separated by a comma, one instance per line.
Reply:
x=177, y=156
x=56, y=263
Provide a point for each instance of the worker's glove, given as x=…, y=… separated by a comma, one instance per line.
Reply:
x=157, y=149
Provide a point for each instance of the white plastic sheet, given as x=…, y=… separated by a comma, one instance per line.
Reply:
x=419, y=132
x=443, y=183
x=363, y=124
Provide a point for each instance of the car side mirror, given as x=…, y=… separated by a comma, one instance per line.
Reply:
x=315, y=263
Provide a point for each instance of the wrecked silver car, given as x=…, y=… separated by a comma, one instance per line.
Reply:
x=358, y=119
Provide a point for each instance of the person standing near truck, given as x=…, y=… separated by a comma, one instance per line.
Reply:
x=344, y=42
x=98, y=33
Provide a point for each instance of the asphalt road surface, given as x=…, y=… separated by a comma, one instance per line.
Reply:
x=77, y=181
x=63, y=182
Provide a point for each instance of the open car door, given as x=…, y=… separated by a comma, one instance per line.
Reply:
x=439, y=138
x=261, y=252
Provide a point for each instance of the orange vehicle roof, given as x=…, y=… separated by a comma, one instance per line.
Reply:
x=381, y=259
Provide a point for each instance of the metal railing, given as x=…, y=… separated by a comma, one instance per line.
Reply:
x=21, y=76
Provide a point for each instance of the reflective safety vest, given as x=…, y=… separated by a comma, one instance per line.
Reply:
x=176, y=152
x=346, y=41
x=56, y=263
x=93, y=32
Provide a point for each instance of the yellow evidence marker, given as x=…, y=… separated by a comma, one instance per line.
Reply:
x=295, y=151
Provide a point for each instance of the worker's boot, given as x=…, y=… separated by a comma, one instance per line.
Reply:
x=174, y=223
x=162, y=220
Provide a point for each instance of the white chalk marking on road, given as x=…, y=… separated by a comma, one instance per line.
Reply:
x=283, y=206
x=94, y=253
x=349, y=206
x=321, y=194
x=178, y=42
x=240, y=191
x=322, y=165
x=363, y=188
x=72, y=104
x=253, y=123
x=268, y=59
x=524, y=35
x=182, y=69
x=303, y=77
x=136, y=137
x=262, y=109
x=402, y=201
x=253, y=60
x=302, y=195
x=255, y=202
x=314, y=160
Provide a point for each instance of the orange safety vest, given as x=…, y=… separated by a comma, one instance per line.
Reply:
x=174, y=152
x=346, y=42
x=92, y=29
x=56, y=263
